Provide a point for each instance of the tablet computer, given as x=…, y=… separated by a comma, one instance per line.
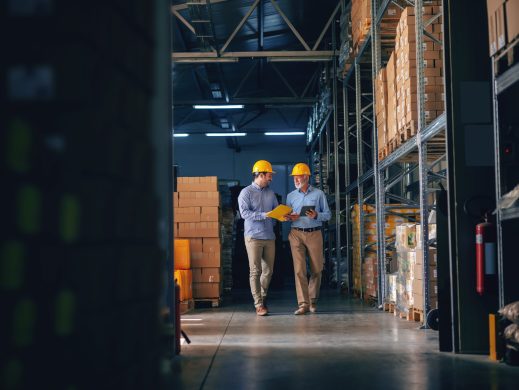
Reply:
x=304, y=209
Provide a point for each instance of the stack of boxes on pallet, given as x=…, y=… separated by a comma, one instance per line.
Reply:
x=400, y=122
x=365, y=270
x=408, y=280
x=360, y=22
x=197, y=218
x=503, y=25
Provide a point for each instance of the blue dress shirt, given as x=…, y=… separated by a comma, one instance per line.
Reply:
x=255, y=202
x=313, y=197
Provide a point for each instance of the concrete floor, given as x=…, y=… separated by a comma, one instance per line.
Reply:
x=345, y=344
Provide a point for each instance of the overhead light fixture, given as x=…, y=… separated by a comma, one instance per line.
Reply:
x=217, y=106
x=225, y=134
x=285, y=133
x=179, y=135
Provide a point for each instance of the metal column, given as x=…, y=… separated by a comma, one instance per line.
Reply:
x=379, y=185
x=360, y=168
x=422, y=152
x=347, y=212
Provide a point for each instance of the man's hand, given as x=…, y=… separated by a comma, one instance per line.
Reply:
x=291, y=217
x=311, y=214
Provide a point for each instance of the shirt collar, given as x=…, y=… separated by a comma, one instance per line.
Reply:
x=256, y=186
x=307, y=191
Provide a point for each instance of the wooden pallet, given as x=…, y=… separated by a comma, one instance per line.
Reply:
x=214, y=302
x=507, y=57
x=416, y=315
x=187, y=306
x=389, y=307
x=407, y=131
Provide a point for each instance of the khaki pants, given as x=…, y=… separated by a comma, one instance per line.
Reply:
x=301, y=244
x=261, y=255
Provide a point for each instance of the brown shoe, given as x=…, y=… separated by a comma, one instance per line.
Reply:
x=313, y=308
x=261, y=311
x=302, y=310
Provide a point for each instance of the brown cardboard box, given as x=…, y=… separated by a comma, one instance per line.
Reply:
x=175, y=230
x=175, y=199
x=206, y=290
x=418, y=301
x=193, y=184
x=209, y=214
x=207, y=275
x=432, y=257
x=187, y=214
x=512, y=19
x=195, y=245
x=212, y=245
x=418, y=271
x=495, y=12
x=190, y=199
x=205, y=259
x=418, y=287
x=199, y=229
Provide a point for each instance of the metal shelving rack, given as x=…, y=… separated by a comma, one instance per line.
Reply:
x=378, y=174
x=501, y=84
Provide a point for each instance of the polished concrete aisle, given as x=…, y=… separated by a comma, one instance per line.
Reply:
x=345, y=345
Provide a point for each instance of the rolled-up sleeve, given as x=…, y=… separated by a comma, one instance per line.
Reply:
x=245, y=211
x=324, y=214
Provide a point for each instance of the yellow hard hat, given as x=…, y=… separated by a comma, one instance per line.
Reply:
x=300, y=169
x=262, y=166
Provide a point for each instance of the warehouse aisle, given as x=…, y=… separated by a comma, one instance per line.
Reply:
x=345, y=344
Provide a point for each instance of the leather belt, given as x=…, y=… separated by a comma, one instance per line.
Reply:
x=308, y=230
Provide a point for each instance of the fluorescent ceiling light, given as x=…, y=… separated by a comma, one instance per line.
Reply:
x=180, y=135
x=285, y=133
x=217, y=106
x=226, y=134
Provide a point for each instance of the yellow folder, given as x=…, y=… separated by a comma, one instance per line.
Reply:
x=279, y=212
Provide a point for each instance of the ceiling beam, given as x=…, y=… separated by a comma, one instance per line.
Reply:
x=179, y=7
x=275, y=55
x=290, y=25
x=287, y=101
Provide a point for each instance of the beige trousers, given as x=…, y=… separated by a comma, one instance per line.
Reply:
x=261, y=255
x=301, y=244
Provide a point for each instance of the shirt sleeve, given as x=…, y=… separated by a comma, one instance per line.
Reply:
x=245, y=209
x=324, y=214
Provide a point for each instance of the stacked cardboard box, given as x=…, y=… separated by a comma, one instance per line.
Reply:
x=406, y=73
x=503, y=23
x=365, y=270
x=198, y=217
x=381, y=110
x=391, y=98
x=360, y=21
x=410, y=274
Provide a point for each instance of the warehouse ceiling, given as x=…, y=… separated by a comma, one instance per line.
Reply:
x=266, y=55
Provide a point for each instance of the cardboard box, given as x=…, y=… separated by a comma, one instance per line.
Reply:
x=195, y=245
x=210, y=214
x=206, y=290
x=207, y=275
x=433, y=254
x=512, y=19
x=205, y=259
x=496, y=21
x=418, y=301
x=187, y=214
x=406, y=236
x=175, y=230
x=212, y=245
x=418, y=271
x=191, y=199
x=198, y=229
x=175, y=199
x=194, y=184
x=418, y=287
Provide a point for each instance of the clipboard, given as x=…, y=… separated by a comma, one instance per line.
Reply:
x=304, y=209
x=279, y=212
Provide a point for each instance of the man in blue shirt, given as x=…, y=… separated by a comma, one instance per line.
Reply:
x=306, y=237
x=255, y=201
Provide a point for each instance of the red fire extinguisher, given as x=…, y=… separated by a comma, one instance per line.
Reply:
x=485, y=254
